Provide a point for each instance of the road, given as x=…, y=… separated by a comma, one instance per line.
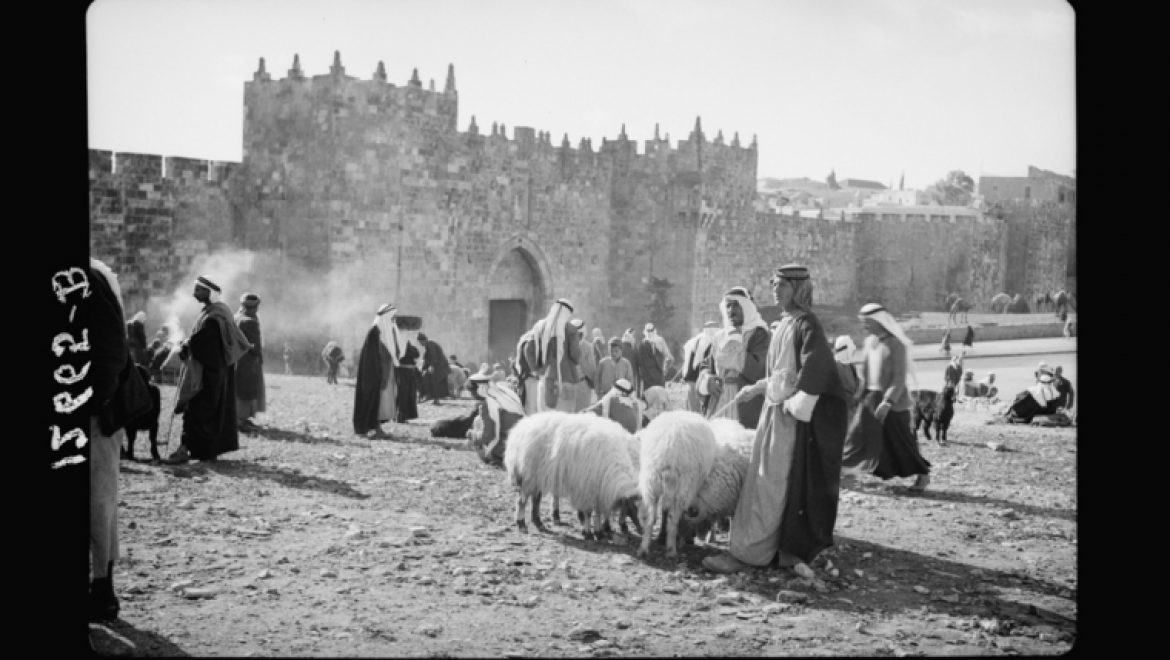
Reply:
x=1012, y=361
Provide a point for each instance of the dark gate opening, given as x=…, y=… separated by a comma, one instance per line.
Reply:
x=507, y=320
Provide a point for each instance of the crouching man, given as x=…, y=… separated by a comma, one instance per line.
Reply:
x=499, y=410
x=619, y=405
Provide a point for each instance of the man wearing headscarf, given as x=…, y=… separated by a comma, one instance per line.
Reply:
x=1038, y=399
x=630, y=353
x=788, y=503
x=620, y=405
x=207, y=386
x=969, y=338
x=600, y=346
x=695, y=352
x=108, y=354
x=435, y=370
x=586, y=369
x=844, y=352
x=954, y=371
x=652, y=356
x=333, y=356
x=499, y=410
x=886, y=373
x=739, y=353
x=457, y=378
x=250, y=390
x=563, y=385
x=613, y=368
x=136, y=338
x=374, y=393
x=547, y=350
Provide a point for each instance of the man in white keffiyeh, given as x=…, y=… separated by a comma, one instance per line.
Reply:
x=555, y=353
x=695, y=353
x=738, y=357
x=499, y=410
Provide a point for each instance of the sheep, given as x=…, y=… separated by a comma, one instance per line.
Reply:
x=592, y=466
x=717, y=498
x=678, y=451
x=527, y=458
x=634, y=446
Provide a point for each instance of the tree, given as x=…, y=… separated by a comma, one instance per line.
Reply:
x=957, y=189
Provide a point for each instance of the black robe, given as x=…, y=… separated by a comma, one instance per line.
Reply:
x=136, y=340
x=371, y=378
x=209, y=421
x=250, y=367
x=407, y=379
x=435, y=384
x=649, y=366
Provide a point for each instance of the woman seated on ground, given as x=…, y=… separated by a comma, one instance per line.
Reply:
x=1036, y=399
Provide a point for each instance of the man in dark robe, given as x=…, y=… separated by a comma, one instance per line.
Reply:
x=788, y=503
x=737, y=360
x=136, y=338
x=107, y=337
x=435, y=370
x=374, y=395
x=651, y=359
x=207, y=388
x=630, y=353
x=408, y=376
x=250, y=389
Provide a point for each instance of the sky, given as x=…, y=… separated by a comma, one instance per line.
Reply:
x=870, y=89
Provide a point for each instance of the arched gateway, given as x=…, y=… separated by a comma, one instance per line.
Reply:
x=517, y=294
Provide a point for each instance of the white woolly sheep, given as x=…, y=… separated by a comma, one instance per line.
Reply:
x=717, y=499
x=592, y=467
x=527, y=461
x=678, y=452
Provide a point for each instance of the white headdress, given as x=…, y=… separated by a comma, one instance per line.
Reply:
x=552, y=328
x=887, y=321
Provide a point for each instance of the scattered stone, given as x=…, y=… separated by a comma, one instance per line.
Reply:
x=201, y=592
x=995, y=446
x=264, y=574
x=180, y=585
x=729, y=598
x=328, y=573
x=353, y=531
x=430, y=630
x=585, y=635
x=789, y=596
x=419, y=532
x=726, y=631
x=920, y=589
x=671, y=589
x=802, y=569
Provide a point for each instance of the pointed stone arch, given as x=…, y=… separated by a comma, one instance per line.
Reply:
x=519, y=285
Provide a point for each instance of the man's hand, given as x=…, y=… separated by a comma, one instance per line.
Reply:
x=184, y=350
x=747, y=394
x=882, y=411
x=715, y=387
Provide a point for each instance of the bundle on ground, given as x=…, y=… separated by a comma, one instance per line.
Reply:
x=528, y=462
x=678, y=452
x=591, y=461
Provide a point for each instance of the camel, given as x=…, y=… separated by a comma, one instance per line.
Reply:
x=1043, y=301
x=1019, y=305
x=950, y=301
x=1000, y=302
x=1061, y=301
x=959, y=308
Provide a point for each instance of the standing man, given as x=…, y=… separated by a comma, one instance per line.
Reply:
x=435, y=370
x=600, y=347
x=788, y=503
x=738, y=356
x=287, y=355
x=613, y=368
x=695, y=352
x=587, y=369
x=630, y=353
x=250, y=390
x=563, y=381
x=407, y=373
x=499, y=410
x=652, y=356
x=107, y=338
x=885, y=372
x=136, y=338
x=374, y=400
x=207, y=387
x=333, y=356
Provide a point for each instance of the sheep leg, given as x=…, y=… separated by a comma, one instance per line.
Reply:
x=672, y=518
x=521, y=500
x=536, y=511
x=646, y=514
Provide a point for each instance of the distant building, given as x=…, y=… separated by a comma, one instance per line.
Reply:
x=1039, y=186
x=898, y=198
x=861, y=183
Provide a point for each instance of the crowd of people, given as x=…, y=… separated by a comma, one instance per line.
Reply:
x=820, y=411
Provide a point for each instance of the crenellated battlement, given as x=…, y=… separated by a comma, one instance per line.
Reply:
x=152, y=168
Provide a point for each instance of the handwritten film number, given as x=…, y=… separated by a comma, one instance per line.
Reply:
x=64, y=283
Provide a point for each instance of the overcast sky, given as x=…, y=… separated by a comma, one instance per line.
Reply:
x=870, y=88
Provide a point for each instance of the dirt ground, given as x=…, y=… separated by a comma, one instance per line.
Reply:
x=311, y=541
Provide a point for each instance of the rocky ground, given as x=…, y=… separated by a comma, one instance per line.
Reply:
x=310, y=541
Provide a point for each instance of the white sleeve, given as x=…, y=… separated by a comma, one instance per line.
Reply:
x=801, y=405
